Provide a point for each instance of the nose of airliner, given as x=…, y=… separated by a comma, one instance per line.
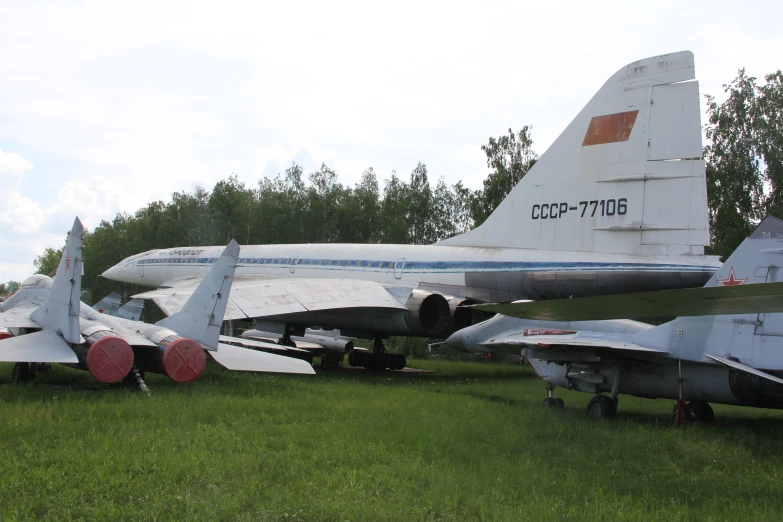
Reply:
x=112, y=272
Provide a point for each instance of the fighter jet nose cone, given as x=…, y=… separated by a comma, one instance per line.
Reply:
x=456, y=340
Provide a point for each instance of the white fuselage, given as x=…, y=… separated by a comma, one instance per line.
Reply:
x=482, y=273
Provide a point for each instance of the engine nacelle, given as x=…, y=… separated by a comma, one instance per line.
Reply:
x=180, y=358
x=5, y=333
x=428, y=313
x=106, y=356
x=462, y=317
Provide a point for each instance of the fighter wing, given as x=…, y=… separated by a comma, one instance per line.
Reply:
x=19, y=317
x=243, y=359
x=261, y=345
x=718, y=300
x=745, y=368
x=512, y=342
x=251, y=298
x=43, y=346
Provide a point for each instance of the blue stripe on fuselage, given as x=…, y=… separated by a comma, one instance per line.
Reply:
x=440, y=266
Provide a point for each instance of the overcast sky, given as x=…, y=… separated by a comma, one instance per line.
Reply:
x=106, y=106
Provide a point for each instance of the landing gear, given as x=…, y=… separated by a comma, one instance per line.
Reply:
x=550, y=401
x=378, y=359
x=702, y=411
x=331, y=359
x=22, y=373
x=286, y=339
x=602, y=407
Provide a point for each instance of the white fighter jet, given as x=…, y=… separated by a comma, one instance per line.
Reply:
x=618, y=203
x=727, y=348
x=44, y=322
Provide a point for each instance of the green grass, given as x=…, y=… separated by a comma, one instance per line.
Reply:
x=470, y=443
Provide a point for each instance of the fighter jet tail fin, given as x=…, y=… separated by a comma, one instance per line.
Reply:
x=202, y=316
x=757, y=258
x=626, y=175
x=60, y=313
x=109, y=304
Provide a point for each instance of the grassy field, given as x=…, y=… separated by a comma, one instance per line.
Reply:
x=470, y=443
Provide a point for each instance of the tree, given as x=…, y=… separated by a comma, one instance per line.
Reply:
x=744, y=156
x=48, y=262
x=5, y=288
x=509, y=157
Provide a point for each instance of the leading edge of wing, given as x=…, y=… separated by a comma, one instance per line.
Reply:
x=718, y=300
x=745, y=368
x=577, y=339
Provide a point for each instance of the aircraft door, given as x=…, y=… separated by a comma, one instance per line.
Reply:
x=292, y=268
x=399, y=267
x=140, y=267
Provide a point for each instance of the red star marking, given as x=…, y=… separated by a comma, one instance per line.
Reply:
x=731, y=281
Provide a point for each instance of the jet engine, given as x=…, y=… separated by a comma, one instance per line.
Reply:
x=180, y=358
x=428, y=313
x=107, y=357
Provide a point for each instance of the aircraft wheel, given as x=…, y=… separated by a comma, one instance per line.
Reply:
x=559, y=403
x=601, y=407
x=355, y=358
x=398, y=362
x=703, y=411
x=549, y=402
x=21, y=373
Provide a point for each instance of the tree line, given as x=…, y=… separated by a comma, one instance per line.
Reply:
x=744, y=158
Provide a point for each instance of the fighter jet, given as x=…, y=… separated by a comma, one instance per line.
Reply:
x=728, y=349
x=56, y=328
x=112, y=305
x=606, y=209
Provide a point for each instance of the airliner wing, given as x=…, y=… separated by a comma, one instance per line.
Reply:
x=716, y=300
x=251, y=298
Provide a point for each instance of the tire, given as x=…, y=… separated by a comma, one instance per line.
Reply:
x=21, y=373
x=601, y=407
x=703, y=411
x=355, y=358
x=559, y=403
x=549, y=402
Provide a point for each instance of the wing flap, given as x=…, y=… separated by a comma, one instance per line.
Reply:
x=243, y=359
x=718, y=300
x=745, y=368
x=43, y=346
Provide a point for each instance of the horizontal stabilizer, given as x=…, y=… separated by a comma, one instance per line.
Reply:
x=577, y=339
x=261, y=345
x=745, y=368
x=720, y=300
x=44, y=346
x=243, y=359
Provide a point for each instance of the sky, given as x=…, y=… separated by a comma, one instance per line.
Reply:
x=107, y=106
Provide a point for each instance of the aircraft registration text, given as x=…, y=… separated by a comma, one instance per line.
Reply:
x=602, y=207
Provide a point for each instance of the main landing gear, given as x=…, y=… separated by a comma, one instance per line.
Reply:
x=25, y=372
x=378, y=359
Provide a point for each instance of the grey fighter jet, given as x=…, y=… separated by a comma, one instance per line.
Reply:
x=727, y=348
x=44, y=322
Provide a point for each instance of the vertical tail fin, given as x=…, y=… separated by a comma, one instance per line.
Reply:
x=61, y=311
x=202, y=316
x=626, y=175
x=109, y=304
x=758, y=259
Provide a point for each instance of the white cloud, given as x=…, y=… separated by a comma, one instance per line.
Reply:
x=120, y=103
